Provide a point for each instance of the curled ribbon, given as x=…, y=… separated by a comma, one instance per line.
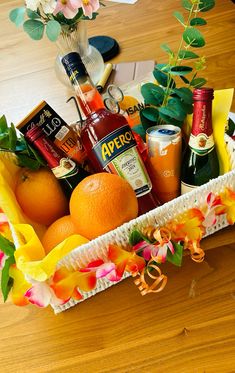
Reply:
x=197, y=254
x=162, y=235
x=160, y=279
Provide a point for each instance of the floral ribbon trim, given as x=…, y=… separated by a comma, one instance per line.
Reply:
x=34, y=278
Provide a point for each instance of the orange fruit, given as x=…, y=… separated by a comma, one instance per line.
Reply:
x=102, y=202
x=57, y=232
x=40, y=196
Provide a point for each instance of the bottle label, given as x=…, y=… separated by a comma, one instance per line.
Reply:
x=117, y=153
x=185, y=188
x=65, y=169
x=201, y=144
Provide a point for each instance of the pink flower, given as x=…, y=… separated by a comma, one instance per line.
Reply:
x=158, y=251
x=69, y=8
x=89, y=6
x=41, y=294
x=102, y=269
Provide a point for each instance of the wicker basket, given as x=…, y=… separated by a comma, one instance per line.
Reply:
x=97, y=248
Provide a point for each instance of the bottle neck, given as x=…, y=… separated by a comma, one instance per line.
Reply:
x=51, y=155
x=88, y=97
x=202, y=118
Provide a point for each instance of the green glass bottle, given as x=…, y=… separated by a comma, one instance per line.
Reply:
x=200, y=162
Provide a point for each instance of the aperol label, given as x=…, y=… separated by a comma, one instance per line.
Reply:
x=114, y=144
x=117, y=153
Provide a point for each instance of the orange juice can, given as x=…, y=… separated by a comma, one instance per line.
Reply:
x=164, y=146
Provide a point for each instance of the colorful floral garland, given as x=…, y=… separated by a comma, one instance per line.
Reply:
x=141, y=258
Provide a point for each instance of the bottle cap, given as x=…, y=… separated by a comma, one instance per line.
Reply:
x=34, y=133
x=72, y=62
x=203, y=94
x=107, y=46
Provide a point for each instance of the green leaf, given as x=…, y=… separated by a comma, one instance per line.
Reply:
x=179, y=16
x=31, y=14
x=181, y=70
x=6, y=280
x=187, y=4
x=198, y=82
x=230, y=127
x=6, y=246
x=153, y=94
x=17, y=16
x=187, y=55
x=198, y=21
x=164, y=67
x=24, y=161
x=145, y=123
x=167, y=49
x=3, y=124
x=175, y=258
x=173, y=109
x=193, y=37
x=185, y=94
x=150, y=113
x=34, y=29
x=139, y=129
x=185, y=80
x=135, y=237
x=162, y=78
x=206, y=5
x=170, y=120
x=53, y=30
x=12, y=137
x=149, y=117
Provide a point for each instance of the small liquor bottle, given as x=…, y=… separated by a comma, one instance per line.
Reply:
x=65, y=169
x=200, y=162
x=107, y=137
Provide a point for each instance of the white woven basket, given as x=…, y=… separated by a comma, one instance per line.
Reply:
x=97, y=248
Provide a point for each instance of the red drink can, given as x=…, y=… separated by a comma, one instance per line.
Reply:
x=164, y=146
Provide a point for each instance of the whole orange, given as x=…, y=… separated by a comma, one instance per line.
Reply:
x=102, y=202
x=57, y=232
x=40, y=196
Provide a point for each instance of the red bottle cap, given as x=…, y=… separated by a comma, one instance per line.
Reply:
x=203, y=94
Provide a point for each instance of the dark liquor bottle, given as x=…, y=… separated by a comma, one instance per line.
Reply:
x=65, y=169
x=200, y=162
x=107, y=137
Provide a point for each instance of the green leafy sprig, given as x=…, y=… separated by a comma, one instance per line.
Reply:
x=8, y=248
x=36, y=23
x=26, y=155
x=166, y=103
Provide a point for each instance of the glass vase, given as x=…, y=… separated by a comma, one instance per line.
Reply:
x=76, y=40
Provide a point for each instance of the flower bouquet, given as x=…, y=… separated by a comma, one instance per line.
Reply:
x=63, y=22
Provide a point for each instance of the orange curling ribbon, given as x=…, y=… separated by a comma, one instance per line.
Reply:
x=162, y=235
x=197, y=254
x=160, y=279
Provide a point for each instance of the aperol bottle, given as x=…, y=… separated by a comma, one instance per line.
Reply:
x=107, y=137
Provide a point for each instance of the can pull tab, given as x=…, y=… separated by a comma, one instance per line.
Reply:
x=80, y=121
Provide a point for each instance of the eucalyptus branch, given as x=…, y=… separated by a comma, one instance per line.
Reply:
x=166, y=103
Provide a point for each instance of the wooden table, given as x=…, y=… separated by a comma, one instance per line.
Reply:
x=190, y=326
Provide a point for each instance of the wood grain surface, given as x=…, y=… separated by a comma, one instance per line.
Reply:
x=190, y=326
